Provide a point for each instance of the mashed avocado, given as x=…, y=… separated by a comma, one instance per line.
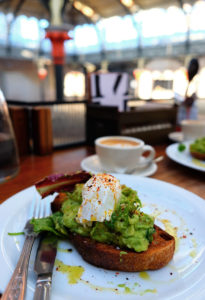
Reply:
x=128, y=227
x=198, y=146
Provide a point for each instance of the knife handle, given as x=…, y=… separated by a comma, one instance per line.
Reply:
x=43, y=286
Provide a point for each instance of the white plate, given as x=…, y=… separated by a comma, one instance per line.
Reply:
x=184, y=157
x=92, y=164
x=175, y=208
x=176, y=136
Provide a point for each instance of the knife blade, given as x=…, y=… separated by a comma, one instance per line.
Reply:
x=44, y=263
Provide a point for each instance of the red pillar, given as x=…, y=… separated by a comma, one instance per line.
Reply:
x=57, y=38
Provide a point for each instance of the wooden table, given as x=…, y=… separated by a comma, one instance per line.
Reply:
x=33, y=168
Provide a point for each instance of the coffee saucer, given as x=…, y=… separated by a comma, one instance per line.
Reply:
x=92, y=164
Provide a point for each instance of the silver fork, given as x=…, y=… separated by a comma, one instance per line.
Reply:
x=16, y=288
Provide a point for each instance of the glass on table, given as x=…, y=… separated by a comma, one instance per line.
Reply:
x=9, y=158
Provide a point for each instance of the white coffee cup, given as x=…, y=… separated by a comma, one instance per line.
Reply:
x=122, y=154
x=193, y=129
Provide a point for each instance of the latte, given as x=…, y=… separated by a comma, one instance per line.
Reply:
x=119, y=143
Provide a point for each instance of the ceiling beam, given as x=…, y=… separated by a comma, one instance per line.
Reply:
x=88, y=20
x=18, y=7
x=181, y=3
x=64, y=6
x=46, y=5
x=127, y=9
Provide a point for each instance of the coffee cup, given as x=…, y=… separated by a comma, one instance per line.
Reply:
x=122, y=154
x=193, y=129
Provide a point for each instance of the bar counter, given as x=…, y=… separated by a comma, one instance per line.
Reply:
x=34, y=168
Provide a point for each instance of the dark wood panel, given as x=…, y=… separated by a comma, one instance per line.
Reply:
x=106, y=120
x=20, y=122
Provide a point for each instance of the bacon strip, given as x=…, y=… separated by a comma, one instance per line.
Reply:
x=60, y=183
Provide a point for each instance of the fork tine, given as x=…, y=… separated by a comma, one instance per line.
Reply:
x=44, y=209
x=31, y=209
x=37, y=208
x=47, y=211
x=41, y=208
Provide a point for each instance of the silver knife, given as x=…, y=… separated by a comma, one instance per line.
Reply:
x=44, y=264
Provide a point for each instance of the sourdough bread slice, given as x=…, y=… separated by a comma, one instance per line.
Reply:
x=198, y=155
x=159, y=253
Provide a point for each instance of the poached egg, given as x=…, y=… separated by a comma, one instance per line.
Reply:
x=100, y=195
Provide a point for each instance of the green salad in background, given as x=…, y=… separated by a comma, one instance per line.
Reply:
x=129, y=226
x=181, y=147
x=198, y=146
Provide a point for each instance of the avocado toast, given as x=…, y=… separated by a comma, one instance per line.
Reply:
x=128, y=241
x=197, y=148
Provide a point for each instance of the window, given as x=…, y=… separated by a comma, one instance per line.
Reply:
x=160, y=26
x=118, y=32
x=86, y=39
x=197, y=23
x=151, y=27
x=25, y=32
x=176, y=24
x=3, y=31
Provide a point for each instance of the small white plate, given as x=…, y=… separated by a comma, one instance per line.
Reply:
x=184, y=157
x=176, y=136
x=92, y=164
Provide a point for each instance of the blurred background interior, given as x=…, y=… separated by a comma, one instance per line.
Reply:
x=75, y=70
